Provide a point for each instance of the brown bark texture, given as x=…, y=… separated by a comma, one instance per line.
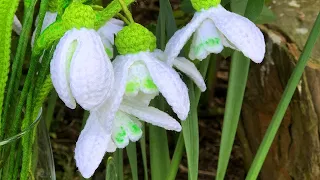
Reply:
x=295, y=153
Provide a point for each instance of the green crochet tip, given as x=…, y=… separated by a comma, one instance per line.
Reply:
x=204, y=4
x=78, y=15
x=135, y=38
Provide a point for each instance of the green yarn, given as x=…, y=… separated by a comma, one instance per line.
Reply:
x=135, y=38
x=57, y=5
x=111, y=10
x=7, y=10
x=78, y=15
x=204, y=4
x=54, y=32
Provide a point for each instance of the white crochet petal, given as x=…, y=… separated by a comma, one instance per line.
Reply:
x=187, y=67
x=132, y=128
x=206, y=40
x=91, y=146
x=142, y=98
x=91, y=71
x=241, y=32
x=169, y=84
x=121, y=65
x=59, y=66
x=107, y=33
x=110, y=28
x=180, y=37
x=151, y=115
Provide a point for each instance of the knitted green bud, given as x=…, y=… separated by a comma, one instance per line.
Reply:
x=135, y=38
x=204, y=4
x=78, y=15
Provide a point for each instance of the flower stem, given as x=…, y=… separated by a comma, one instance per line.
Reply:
x=126, y=11
x=123, y=18
x=284, y=103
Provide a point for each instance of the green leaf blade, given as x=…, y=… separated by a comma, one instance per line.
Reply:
x=132, y=155
x=236, y=88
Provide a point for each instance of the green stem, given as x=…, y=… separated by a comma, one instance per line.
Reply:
x=118, y=157
x=126, y=11
x=18, y=63
x=143, y=151
x=236, y=88
x=50, y=108
x=132, y=155
x=27, y=139
x=123, y=18
x=284, y=102
x=177, y=156
x=113, y=8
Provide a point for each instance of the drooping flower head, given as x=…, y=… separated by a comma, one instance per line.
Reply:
x=80, y=69
x=139, y=77
x=213, y=27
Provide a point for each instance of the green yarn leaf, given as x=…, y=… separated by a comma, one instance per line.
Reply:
x=7, y=10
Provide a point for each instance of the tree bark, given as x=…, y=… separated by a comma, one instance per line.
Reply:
x=295, y=153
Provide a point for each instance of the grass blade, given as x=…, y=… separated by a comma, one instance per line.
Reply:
x=132, y=155
x=237, y=84
x=190, y=131
x=118, y=158
x=192, y=143
x=144, y=152
x=159, y=150
x=284, y=102
x=111, y=173
x=159, y=153
x=177, y=156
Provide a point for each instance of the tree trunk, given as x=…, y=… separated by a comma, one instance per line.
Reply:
x=295, y=153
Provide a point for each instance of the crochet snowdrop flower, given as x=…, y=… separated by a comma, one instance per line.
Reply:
x=80, y=68
x=213, y=27
x=105, y=132
x=140, y=75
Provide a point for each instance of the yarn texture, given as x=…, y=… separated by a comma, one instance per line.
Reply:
x=204, y=4
x=135, y=38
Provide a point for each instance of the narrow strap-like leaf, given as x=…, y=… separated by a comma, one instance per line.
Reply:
x=132, y=155
x=237, y=84
x=111, y=173
x=144, y=152
x=118, y=158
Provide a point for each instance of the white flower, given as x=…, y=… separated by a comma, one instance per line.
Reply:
x=214, y=28
x=139, y=76
x=101, y=134
x=138, y=79
x=185, y=66
x=80, y=69
x=107, y=32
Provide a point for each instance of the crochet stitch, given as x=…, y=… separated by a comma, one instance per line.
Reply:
x=204, y=4
x=135, y=38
